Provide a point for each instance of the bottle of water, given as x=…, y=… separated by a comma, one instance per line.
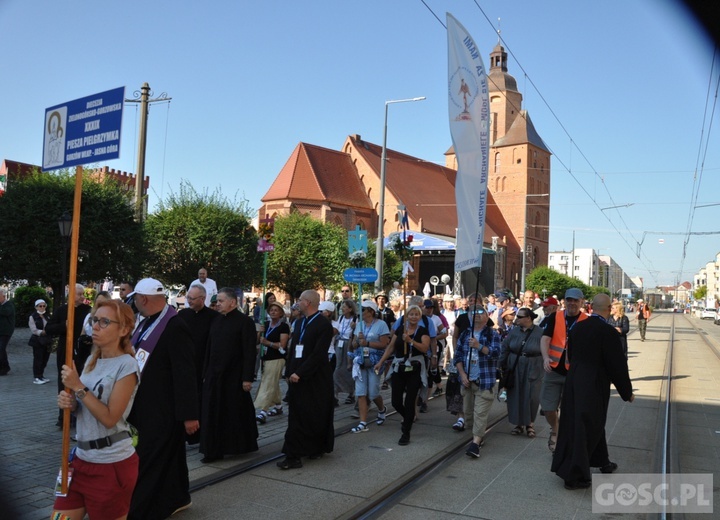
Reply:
x=503, y=396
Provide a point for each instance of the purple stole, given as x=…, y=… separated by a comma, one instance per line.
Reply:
x=144, y=346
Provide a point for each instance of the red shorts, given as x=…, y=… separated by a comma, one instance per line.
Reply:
x=103, y=490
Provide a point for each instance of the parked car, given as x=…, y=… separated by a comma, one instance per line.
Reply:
x=176, y=296
x=708, y=313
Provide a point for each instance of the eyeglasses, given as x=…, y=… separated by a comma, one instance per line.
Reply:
x=346, y=290
x=191, y=299
x=478, y=311
x=103, y=323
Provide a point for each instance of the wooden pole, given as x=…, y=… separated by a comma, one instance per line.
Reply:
x=74, y=247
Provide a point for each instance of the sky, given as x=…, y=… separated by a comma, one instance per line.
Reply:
x=621, y=92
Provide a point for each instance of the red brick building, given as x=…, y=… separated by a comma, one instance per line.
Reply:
x=343, y=187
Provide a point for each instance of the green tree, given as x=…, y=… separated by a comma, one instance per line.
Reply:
x=543, y=279
x=309, y=254
x=191, y=230
x=700, y=293
x=110, y=241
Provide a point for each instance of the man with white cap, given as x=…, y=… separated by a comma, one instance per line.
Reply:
x=553, y=347
x=643, y=316
x=166, y=404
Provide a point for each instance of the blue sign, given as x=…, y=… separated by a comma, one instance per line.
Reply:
x=360, y=275
x=83, y=131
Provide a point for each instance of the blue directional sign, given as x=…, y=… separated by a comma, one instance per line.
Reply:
x=360, y=275
x=86, y=130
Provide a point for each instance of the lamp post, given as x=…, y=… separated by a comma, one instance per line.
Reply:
x=524, y=252
x=65, y=225
x=381, y=209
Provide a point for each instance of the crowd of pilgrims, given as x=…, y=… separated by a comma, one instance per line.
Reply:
x=331, y=353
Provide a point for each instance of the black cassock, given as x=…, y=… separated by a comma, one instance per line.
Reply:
x=164, y=401
x=310, y=428
x=199, y=323
x=228, y=424
x=596, y=360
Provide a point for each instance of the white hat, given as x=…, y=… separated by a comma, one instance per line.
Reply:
x=148, y=287
x=326, y=306
x=369, y=304
x=641, y=300
x=39, y=301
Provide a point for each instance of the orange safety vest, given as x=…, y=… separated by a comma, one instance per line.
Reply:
x=558, y=342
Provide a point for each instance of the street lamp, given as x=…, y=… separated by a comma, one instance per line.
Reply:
x=381, y=212
x=524, y=255
x=65, y=225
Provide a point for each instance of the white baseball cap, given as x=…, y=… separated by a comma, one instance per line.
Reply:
x=148, y=287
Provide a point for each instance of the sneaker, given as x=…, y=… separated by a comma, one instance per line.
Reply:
x=360, y=428
x=381, y=416
x=459, y=426
x=38, y=381
x=473, y=450
x=438, y=392
x=350, y=399
x=404, y=439
x=502, y=396
x=45, y=380
x=423, y=407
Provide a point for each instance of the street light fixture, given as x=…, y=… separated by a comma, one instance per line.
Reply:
x=381, y=209
x=524, y=252
x=65, y=225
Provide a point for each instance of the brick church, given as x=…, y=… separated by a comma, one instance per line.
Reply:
x=343, y=186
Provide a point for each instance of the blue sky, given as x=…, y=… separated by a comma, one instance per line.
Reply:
x=621, y=98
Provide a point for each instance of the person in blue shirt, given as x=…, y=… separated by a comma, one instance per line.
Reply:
x=476, y=359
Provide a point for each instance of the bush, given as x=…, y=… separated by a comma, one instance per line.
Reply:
x=24, y=302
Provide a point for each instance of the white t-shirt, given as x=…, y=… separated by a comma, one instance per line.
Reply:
x=210, y=289
x=101, y=381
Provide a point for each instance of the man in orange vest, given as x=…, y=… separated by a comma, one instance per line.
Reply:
x=643, y=316
x=553, y=346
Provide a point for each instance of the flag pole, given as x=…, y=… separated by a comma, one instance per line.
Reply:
x=74, y=247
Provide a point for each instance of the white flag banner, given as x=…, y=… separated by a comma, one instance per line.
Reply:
x=469, y=112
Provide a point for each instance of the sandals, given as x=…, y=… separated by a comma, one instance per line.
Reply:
x=518, y=430
x=360, y=428
x=261, y=418
x=552, y=441
x=381, y=416
x=384, y=386
x=530, y=430
x=275, y=411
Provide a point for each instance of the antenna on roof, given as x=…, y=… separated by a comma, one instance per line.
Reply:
x=498, y=30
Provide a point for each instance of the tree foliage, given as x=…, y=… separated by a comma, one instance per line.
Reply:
x=544, y=280
x=700, y=293
x=309, y=254
x=110, y=241
x=191, y=230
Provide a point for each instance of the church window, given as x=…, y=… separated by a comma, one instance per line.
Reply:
x=502, y=185
x=497, y=162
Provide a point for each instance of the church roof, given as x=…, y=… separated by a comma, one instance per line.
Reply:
x=522, y=131
x=319, y=174
x=428, y=191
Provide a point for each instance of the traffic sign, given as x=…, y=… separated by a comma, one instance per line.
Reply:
x=86, y=130
x=360, y=275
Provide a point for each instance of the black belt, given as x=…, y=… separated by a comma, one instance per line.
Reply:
x=526, y=354
x=103, y=442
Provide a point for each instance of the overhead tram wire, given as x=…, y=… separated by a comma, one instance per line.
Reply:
x=650, y=267
x=698, y=163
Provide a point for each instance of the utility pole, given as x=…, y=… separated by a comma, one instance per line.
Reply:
x=144, y=95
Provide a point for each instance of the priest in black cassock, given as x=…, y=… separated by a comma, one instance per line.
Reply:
x=199, y=318
x=228, y=414
x=311, y=396
x=165, y=408
x=596, y=360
